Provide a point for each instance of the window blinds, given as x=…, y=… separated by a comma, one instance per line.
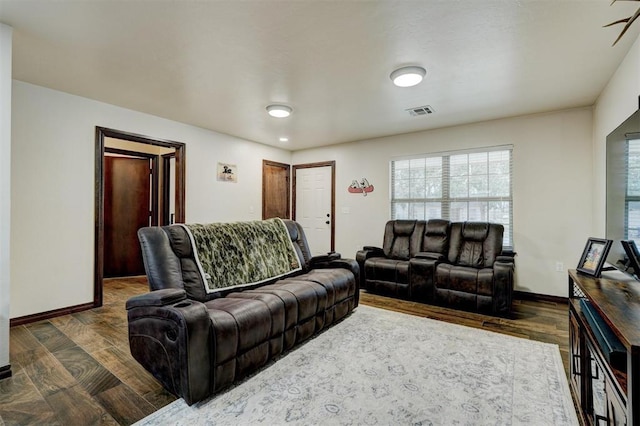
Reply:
x=474, y=185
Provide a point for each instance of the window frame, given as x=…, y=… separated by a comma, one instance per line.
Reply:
x=445, y=200
x=629, y=198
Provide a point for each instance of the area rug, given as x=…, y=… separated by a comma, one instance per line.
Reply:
x=378, y=367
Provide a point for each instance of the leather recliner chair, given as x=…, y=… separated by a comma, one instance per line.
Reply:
x=386, y=269
x=475, y=275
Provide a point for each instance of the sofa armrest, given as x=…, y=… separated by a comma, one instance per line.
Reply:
x=170, y=336
x=429, y=255
x=503, y=276
x=367, y=252
x=331, y=256
x=422, y=271
x=157, y=298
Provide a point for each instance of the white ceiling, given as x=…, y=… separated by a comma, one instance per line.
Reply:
x=218, y=64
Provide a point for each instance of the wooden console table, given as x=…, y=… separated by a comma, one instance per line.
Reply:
x=605, y=384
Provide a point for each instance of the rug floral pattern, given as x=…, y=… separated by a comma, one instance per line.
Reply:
x=379, y=368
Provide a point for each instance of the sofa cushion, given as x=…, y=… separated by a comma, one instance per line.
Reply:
x=238, y=325
x=340, y=289
x=390, y=270
x=312, y=303
x=465, y=279
x=337, y=282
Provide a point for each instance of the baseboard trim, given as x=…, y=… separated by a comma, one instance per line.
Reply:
x=5, y=372
x=525, y=295
x=51, y=314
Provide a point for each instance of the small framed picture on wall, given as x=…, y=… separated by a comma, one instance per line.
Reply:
x=227, y=172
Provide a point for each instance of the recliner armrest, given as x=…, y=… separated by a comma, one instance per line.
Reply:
x=157, y=298
x=372, y=248
x=429, y=255
x=504, y=259
x=331, y=256
x=170, y=336
x=367, y=252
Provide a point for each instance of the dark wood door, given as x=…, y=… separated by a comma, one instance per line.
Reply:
x=127, y=200
x=275, y=190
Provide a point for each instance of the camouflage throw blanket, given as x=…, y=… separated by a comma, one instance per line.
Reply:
x=242, y=253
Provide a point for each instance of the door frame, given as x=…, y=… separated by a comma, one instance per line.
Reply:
x=100, y=134
x=166, y=184
x=333, y=193
x=264, y=187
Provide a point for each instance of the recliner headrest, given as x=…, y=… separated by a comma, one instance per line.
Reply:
x=437, y=227
x=475, y=231
x=404, y=227
x=292, y=228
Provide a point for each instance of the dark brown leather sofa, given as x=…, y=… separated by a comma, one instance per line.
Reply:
x=458, y=265
x=196, y=343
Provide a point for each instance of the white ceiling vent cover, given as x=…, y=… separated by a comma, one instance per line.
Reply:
x=420, y=111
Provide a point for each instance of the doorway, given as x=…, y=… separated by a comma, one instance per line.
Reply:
x=314, y=204
x=149, y=207
x=275, y=190
x=169, y=189
x=130, y=203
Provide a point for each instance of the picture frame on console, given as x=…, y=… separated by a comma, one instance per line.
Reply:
x=633, y=257
x=594, y=256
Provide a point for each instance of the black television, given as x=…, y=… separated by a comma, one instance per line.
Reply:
x=633, y=256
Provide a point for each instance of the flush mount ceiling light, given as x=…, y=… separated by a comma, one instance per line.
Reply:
x=283, y=139
x=408, y=76
x=279, y=111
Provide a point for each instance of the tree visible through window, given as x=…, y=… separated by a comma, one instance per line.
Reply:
x=458, y=186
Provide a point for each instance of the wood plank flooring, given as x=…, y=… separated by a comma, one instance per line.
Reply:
x=77, y=370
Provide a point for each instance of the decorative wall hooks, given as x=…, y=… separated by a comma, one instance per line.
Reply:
x=361, y=186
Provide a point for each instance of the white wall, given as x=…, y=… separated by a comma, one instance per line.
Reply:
x=52, y=188
x=552, y=168
x=5, y=189
x=558, y=197
x=614, y=105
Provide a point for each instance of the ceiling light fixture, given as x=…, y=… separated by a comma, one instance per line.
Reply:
x=408, y=76
x=283, y=139
x=279, y=111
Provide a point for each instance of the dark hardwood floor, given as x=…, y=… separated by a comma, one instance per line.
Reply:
x=77, y=369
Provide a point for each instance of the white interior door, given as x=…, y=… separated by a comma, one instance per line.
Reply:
x=313, y=206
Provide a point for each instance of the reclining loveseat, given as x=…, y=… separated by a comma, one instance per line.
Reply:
x=460, y=265
x=227, y=298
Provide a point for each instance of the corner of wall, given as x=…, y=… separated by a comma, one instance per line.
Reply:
x=6, y=36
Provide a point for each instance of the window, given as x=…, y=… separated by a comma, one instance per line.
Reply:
x=632, y=193
x=458, y=186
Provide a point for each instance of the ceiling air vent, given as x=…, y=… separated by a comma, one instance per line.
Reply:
x=419, y=111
